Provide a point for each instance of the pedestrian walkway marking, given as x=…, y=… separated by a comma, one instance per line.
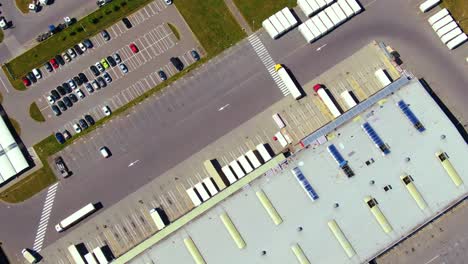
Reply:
x=46, y=210
x=266, y=59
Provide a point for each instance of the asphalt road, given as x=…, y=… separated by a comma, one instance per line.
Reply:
x=26, y=27
x=244, y=83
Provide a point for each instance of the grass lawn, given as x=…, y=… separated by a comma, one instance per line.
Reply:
x=1, y=98
x=174, y=30
x=42, y=178
x=23, y=5
x=35, y=113
x=84, y=28
x=459, y=10
x=212, y=23
x=1, y=35
x=255, y=11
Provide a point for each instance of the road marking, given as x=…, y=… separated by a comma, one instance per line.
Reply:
x=321, y=47
x=4, y=86
x=41, y=230
x=223, y=107
x=432, y=259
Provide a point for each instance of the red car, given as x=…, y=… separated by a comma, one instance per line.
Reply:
x=26, y=81
x=134, y=48
x=54, y=63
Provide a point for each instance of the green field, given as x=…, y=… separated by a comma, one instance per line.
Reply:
x=255, y=11
x=35, y=113
x=23, y=5
x=1, y=35
x=84, y=28
x=212, y=23
x=459, y=11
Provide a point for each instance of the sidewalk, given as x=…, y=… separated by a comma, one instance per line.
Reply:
x=238, y=16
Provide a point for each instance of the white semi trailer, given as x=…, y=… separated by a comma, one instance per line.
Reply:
x=319, y=89
x=287, y=80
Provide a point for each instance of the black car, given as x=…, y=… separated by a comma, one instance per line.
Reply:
x=56, y=110
x=55, y=95
x=48, y=66
x=61, y=167
x=162, y=75
x=117, y=58
x=83, y=77
x=89, y=87
x=59, y=60
x=88, y=43
x=61, y=90
x=195, y=55
x=111, y=61
x=105, y=35
x=67, y=101
x=89, y=119
x=31, y=77
x=83, y=123
x=95, y=70
x=73, y=97
x=62, y=106
x=60, y=137
x=101, y=82
x=78, y=50
x=127, y=22
x=77, y=80
x=177, y=63
x=67, y=87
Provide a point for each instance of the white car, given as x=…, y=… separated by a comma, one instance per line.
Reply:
x=168, y=2
x=82, y=47
x=105, y=152
x=72, y=84
x=106, y=110
x=80, y=93
x=77, y=128
x=95, y=85
x=37, y=73
x=99, y=66
x=123, y=68
x=50, y=99
x=72, y=53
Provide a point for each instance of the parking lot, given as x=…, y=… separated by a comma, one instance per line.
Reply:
x=156, y=43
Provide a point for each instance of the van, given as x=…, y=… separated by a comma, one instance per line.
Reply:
x=29, y=256
x=105, y=152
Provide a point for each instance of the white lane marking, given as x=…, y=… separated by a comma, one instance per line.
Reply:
x=432, y=259
x=47, y=208
x=321, y=47
x=223, y=107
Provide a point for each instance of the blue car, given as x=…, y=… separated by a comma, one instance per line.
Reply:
x=60, y=138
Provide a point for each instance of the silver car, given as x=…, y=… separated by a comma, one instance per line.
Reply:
x=99, y=66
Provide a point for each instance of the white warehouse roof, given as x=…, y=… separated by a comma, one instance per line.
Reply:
x=12, y=160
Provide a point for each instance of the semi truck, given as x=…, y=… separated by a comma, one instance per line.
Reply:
x=75, y=217
x=287, y=80
x=322, y=93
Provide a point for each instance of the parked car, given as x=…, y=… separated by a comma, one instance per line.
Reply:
x=72, y=83
x=48, y=66
x=111, y=61
x=83, y=77
x=95, y=85
x=99, y=66
x=62, y=105
x=89, y=119
x=61, y=90
x=80, y=93
x=195, y=55
x=67, y=101
x=78, y=49
x=31, y=77
x=37, y=73
x=55, y=94
x=82, y=47
x=67, y=87
x=105, y=152
x=89, y=87
x=61, y=167
x=106, y=110
x=83, y=123
x=56, y=110
x=59, y=59
x=127, y=23
x=117, y=58
x=133, y=47
x=162, y=75
x=94, y=70
x=77, y=128
x=105, y=35
x=59, y=138
x=66, y=134
x=26, y=81
x=177, y=63
x=71, y=52
x=101, y=82
x=107, y=77
x=123, y=68
x=54, y=63
x=50, y=99
x=66, y=57
x=104, y=63
x=73, y=97
x=168, y=2
x=88, y=43
x=77, y=81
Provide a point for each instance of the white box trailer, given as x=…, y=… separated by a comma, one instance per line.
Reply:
x=332, y=15
x=346, y=8
x=444, y=21
x=100, y=256
x=75, y=217
x=210, y=185
x=451, y=35
x=447, y=28
x=290, y=17
x=315, y=6
x=253, y=159
x=193, y=197
x=438, y=16
x=306, y=33
x=262, y=150
x=287, y=80
x=229, y=174
x=90, y=259
x=329, y=1
x=281, y=139
x=313, y=28
x=349, y=99
x=305, y=7
x=321, y=3
x=382, y=77
x=283, y=20
x=326, y=99
x=355, y=6
x=427, y=5
x=237, y=169
x=339, y=12
x=277, y=24
x=76, y=256
x=457, y=41
x=326, y=21
x=270, y=29
x=202, y=191
x=320, y=26
x=155, y=214
x=245, y=164
x=278, y=120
